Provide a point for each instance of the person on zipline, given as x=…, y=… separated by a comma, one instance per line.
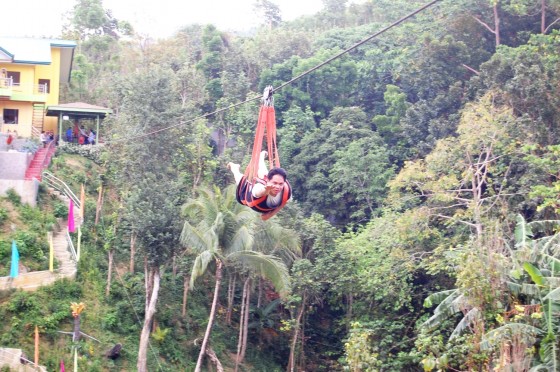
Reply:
x=268, y=194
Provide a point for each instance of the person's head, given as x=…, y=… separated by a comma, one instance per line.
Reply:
x=276, y=179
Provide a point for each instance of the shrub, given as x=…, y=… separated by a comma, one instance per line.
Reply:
x=3, y=215
x=5, y=249
x=13, y=197
x=92, y=152
x=60, y=210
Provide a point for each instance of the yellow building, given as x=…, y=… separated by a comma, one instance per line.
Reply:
x=31, y=74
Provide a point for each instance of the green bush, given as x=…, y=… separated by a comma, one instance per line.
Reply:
x=5, y=249
x=92, y=152
x=60, y=210
x=13, y=197
x=3, y=215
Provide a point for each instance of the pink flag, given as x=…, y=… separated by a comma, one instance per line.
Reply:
x=71, y=217
x=62, y=366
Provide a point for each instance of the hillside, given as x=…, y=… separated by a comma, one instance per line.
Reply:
x=423, y=230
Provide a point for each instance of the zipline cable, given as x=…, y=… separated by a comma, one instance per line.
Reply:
x=383, y=30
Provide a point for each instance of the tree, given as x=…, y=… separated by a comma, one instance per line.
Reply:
x=146, y=178
x=269, y=12
x=220, y=230
x=272, y=239
x=360, y=175
x=314, y=173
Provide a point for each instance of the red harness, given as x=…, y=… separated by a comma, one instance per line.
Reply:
x=244, y=196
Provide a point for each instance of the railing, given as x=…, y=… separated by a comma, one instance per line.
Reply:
x=46, y=159
x=71, y=246
x=8, y=83
x=61, y=187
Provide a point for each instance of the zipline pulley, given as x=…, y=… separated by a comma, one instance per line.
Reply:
x=268, y=99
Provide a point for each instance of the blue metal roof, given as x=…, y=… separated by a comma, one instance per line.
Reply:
x=32, y=51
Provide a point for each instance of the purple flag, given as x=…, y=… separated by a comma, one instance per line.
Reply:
x=71, y=217
x=14, y=269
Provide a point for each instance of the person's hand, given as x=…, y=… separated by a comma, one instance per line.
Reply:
x=268, y=189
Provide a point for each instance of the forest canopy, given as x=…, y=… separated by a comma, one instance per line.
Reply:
x=423, y=230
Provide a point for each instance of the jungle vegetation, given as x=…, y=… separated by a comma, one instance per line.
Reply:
x=423, y=234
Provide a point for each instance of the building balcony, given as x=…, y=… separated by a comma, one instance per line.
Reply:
x=22, y=91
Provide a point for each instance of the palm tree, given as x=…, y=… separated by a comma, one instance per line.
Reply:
x=220, y=230
x=272, y=239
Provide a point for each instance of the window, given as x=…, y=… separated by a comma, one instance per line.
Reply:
x=15, y=77
x=11, y=116
x=44, y=86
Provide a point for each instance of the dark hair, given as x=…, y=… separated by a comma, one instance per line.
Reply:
x=279, y=171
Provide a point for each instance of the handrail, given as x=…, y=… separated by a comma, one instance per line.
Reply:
x=59, y=185
x=29, y=88
x=45, y=163
x=71, y=246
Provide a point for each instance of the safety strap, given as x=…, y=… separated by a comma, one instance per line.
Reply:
x=266, y=126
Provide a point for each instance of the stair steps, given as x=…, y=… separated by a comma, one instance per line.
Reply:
x=35, y=168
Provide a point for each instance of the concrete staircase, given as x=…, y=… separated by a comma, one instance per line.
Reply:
x=67, y=264
x=40, y=161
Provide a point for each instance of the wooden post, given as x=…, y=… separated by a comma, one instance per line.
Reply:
x=36, y=346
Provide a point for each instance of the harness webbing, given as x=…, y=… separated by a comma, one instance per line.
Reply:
x=266, y=126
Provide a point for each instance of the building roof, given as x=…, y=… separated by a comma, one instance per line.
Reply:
x=78, y=110
x=37, y=52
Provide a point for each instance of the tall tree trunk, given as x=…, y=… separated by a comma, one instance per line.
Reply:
x=259, y=296
x=132, y=251
x=219, y=266
x=185, y=295
x=543, y=16
x=99, y=204
x=302, y=343
x=151, y=302
x=291, y=360
x=230, y=298
x=109, y=272
x=350, y=301
x=496, y=29
x=245, y=322
x=241, y=328
x=496, y=23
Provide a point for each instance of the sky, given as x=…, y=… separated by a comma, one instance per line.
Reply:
x=154, y=18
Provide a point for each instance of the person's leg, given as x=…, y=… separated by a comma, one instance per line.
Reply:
x=263, y=169
x=234, y=168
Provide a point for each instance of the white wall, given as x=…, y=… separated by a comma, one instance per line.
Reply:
x=26, y=189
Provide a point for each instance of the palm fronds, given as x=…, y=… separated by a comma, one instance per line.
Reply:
x=267, y=266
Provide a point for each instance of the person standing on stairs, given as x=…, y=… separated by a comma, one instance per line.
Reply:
x=44, y=138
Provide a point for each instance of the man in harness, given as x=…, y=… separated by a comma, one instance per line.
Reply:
x=269, y=192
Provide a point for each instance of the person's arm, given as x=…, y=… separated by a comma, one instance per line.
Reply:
x=259, y=190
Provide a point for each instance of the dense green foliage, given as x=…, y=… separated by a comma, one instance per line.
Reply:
x=423, y=231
